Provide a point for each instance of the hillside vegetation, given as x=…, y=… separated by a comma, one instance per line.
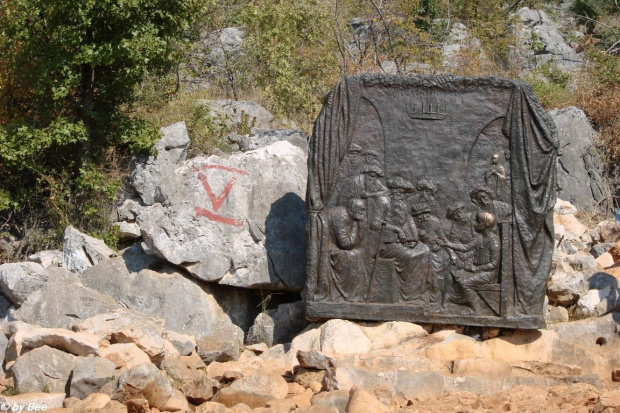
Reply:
x=85, y=85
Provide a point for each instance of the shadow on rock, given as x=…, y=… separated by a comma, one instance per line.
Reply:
x=286, y=241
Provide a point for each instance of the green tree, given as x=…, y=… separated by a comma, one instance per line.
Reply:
x=66, y=70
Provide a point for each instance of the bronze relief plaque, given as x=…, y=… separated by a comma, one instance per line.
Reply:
x=430, y=199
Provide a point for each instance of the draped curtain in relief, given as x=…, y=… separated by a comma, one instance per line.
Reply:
x=533, y=156
x=331, y=138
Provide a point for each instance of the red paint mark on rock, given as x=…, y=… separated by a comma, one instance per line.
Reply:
x=218, y=201
x=222, y=167
x=218, y=218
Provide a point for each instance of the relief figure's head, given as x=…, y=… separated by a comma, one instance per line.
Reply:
x=482, y=197
x=484, y=221
x=456, y=212
x=399, y=187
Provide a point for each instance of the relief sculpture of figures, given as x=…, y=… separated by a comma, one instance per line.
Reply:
x=413, y=214
x=346, y=258
x=401, y=244
x=495, y=178
x=483, y=271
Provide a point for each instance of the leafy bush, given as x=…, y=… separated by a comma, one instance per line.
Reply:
x=67, y=72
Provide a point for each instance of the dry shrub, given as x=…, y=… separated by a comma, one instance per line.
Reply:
x=601, y=103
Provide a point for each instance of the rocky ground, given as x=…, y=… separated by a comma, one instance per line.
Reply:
x=157, y=327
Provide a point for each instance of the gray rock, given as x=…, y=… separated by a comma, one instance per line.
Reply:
x=223, y=344
x=237, y=219
x=47, y=258
x=127, y=230
x=89, y=375
x=598, y=302
x=343, y=378
x=590, y=332
x=314, y=360
x=565, y=289
x=43, y=369
x=458, y=40
x=126, y=326
x=238, y=113
x=582, y=261
x=580, y=167
x=261, y=331
x=337, y=399
x=127, y=211
x=606, y=232
x=144, y=381
x=18, y=280
x=266, y=137
x=81, y=251
x=146, y=175
x=224, y=44
x=168, y=294
x=278, y=325
x=62, y=303
x=412, y=385
x=556, y=315
x=599, y=249
x=550, y=44
x=184, y=344
x=4, y=343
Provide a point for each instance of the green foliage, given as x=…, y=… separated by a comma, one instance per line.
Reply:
x=536, y=44
x=207, y=131
x=288, y=60
x=550, y=84
x=69, y=72
x=489, y=22
x=606, y=67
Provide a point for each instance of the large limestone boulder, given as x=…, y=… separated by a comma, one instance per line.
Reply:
x=192, y=382
x=254, y=391
x=18, y=280
x=47, y=258
x=77, y=343
x=167, y=294
x=579, y=167
x=43, y=369
x=343, y=337
x=89, y=375
x=144, y=381
x=125, y=326
x=80, y=251
x=564, y=289
x=61, y=303
x=223, y=344
x=238, y=219
x=147, y=174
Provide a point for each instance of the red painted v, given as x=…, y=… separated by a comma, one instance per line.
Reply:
x=217, y=201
